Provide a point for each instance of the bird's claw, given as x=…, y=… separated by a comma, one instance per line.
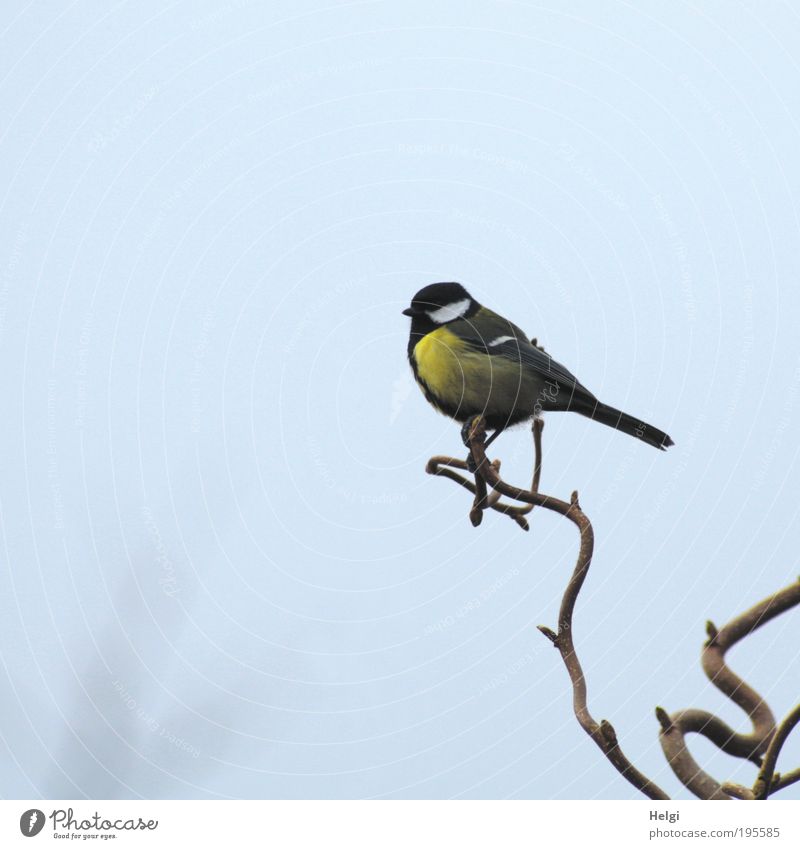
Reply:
x=469, y=431
x=466, y=432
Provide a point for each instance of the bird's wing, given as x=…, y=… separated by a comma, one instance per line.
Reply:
x=498, y=337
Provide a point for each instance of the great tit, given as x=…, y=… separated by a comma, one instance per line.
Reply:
x=469, y=361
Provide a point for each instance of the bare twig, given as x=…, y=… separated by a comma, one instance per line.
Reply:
x=602, y=732
x=780, y=782
x=536, y=427
x=749, y=746
x=443, y=467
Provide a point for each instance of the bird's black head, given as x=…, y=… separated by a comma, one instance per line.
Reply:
x=435, y=305
x=441, y=303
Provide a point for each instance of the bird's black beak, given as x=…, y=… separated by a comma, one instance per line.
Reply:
x=410, y=312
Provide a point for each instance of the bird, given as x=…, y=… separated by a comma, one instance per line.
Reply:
x=470, y=361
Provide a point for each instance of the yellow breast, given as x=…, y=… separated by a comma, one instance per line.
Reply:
x=439, y=365
x=461, y=381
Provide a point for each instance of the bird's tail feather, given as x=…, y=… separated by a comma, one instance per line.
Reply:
x=622, y=421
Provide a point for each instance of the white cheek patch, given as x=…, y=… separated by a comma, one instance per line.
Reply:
x=500, y=340
x=449, y=312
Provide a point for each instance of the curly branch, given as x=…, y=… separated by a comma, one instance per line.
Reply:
x=675, y=727
x=443, y=467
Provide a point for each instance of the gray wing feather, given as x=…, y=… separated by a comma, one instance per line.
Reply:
x=520, y=350
x=523, y=351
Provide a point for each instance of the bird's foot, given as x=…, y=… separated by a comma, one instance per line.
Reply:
x=469, y=431
x=466, y=432
x=473, y=427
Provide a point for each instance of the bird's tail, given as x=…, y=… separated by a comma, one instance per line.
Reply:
x=622, y=421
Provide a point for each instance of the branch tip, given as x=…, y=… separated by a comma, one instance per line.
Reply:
x=737, y=791
x=780, y=781
x=663, y=717
x=549, y=633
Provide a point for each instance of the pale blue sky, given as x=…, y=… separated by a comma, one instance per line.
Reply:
x=225, y=572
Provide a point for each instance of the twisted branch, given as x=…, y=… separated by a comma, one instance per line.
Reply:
x=443, y=467
x=675, y=727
